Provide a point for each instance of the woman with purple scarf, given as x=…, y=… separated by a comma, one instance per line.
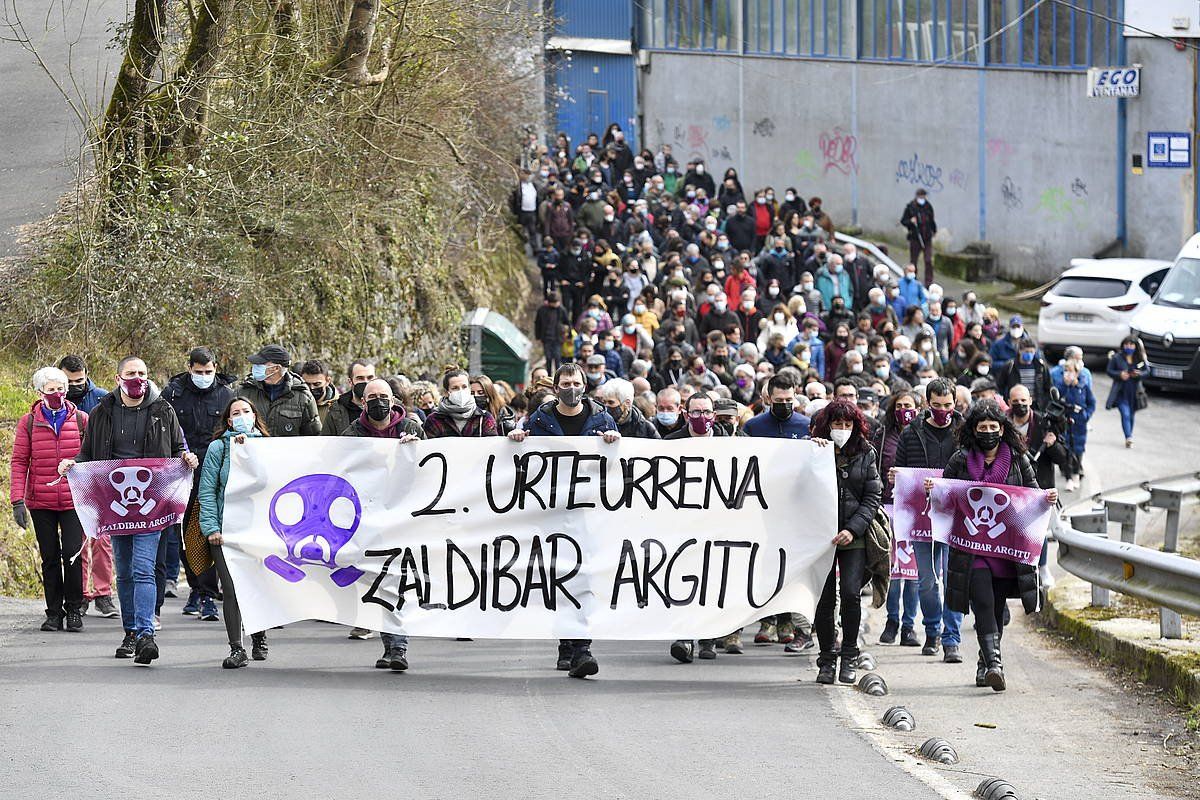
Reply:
x=990, y=451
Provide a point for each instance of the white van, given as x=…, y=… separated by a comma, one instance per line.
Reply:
x=1169, y=327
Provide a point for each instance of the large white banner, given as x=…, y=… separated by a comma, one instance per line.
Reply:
x=551, y=538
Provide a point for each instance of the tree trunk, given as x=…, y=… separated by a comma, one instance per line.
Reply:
x=351, y=60
x=123, y=128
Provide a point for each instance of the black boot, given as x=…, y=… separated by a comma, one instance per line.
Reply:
x=398, y=658
x=848, y=671
x=565, y=651
x=981, y=669
x=258, y=646
x=584, y=664
x=54, y=621
x=989, y=646
x=126, y=648
x=146, y=649
x=890, y=631
x=74, y=620
x=826, y=667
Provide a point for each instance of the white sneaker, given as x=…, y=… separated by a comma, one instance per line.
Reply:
x=1045, y=577
x=157, y=623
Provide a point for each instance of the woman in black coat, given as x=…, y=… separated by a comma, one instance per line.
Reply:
x=990, y=451
x=859, y=493
x=1126, y=368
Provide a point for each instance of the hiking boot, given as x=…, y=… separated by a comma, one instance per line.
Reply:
x=237, y=657
x=682, y=650
x=733, y=643
x=145, y=650
x=74, y=620
x=908, y=638
x=106, y=608
x=172, y=589
x=951, y=654
x=54, y=621
x=565, y=651
x=398, y=659
x=787, y=632
x=826, y=668
x=584, y=664
x=125, y=650
x=190, y=609
x=766, y=632
x=932, y=643
x=258, y=646
x=361, y=633
x=848, y=672
x=707, y=651
x=890, y=630
x=208, y=610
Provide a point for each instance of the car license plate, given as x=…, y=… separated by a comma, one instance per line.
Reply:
x=1169, y=374
x=1078, y=317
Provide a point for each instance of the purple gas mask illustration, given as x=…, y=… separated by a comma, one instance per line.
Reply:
x=131, y=484
x=315, y=516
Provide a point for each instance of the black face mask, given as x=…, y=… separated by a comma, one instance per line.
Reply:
x=1020, y=410
x=728, y=428
x=570, y=397
x=987, y=441
x=675, y=364
x=481, y=402
x=75, y=393
x=359, y=389
x=781, y=410
x=379, y=408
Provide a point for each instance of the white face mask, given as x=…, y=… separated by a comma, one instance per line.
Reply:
x=983, y=369
x=840, y=437
x=461, y=397
x=779, y=319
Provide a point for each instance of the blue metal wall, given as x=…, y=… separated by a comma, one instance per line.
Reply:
x=591, y=90
x=594, y=19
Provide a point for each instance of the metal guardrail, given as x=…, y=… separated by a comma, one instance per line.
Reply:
x=1158, y=576
x=873, y=249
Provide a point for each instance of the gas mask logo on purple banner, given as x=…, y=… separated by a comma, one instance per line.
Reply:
x=315, y=516
x=131, y=484
x=986, y=505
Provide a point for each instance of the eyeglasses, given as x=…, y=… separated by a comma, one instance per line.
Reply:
x=701, y=414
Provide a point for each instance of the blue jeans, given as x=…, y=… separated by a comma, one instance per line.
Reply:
x=937, y=619
x=1127, y=412
x=909, y=588
x=133, y=560
x=389, y=639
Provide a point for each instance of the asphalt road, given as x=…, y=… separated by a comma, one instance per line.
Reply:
x=39, y=133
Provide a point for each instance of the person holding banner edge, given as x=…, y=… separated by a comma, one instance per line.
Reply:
x=990, y=451
x=571, y=414
x=859, y=494
x=134, y=422
x=928, y=443
x=899, y=412
x=237, y=422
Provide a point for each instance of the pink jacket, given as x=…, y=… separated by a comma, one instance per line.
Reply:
x=36, y=453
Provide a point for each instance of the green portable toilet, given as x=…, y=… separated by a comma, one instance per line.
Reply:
x=495, y=347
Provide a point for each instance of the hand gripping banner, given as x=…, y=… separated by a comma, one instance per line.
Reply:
x=911, y=513
x=136, y=495
x=989, y=519
x=550, y=538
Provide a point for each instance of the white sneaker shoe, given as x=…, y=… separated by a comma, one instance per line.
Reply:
x=361, y=633
x=1045, y=577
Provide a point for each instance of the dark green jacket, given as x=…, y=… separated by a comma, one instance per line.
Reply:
x=342, y=412
x=293, y=413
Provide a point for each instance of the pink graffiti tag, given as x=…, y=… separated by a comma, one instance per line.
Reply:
x=838, y=149
x=1000, y=150
x=697, y=137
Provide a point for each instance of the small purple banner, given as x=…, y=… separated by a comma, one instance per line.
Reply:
x=988, y=519
x=136, y=495
x=904, y=562
x=912, y=523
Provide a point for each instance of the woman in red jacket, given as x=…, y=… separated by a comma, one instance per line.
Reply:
x=50, y=432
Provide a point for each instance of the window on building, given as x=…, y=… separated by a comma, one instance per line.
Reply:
x=798, y=27
x=920, y=30
x=1027, y=34
x=689, y=24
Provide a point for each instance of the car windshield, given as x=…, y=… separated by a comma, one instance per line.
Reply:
x=1095, y=288
x=1181, y=287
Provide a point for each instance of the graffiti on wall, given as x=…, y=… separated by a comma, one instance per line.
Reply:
x=1058, y=205
x=1000, y=150
x=1010, y=194
x=1079, y=188
x=958, y=179
x=918, y=172
x=764, y=127
x=839, y=150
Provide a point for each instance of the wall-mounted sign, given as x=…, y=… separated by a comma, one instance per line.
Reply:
x=1169, y=149
x=1114, y=81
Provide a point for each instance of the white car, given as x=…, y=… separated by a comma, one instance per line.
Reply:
x=1093, y=301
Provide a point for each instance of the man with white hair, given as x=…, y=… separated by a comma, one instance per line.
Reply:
x=693, y=260
x=617, y=397
x=1075, y=354
x=815, y=390
x=719, y=317
x=860, y=271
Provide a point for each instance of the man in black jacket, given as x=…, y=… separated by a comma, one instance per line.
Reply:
x=134, y=422
x=1029, y=370
x=918, y=219
x=574, y=273
x=199, y=397
x=740, y=229
x=1042, y=445
x=550, y=327
x=349, y=405
x=928, y=443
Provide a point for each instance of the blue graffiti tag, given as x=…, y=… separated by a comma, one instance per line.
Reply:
x=919, y=173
